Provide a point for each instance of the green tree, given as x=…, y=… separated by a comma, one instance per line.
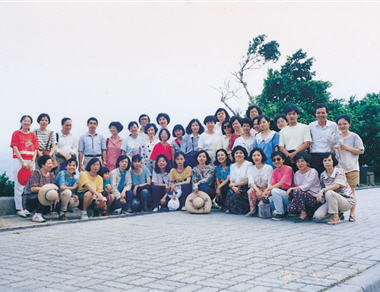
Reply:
x=6, y=186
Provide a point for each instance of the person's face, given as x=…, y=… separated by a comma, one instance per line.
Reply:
x=221, y=116
x=178, y=133
x=236, y=126
x=151, y=132
x=26, y=123
x=227, y=128
x=257, y=157
x=195, y=127
x=66, y=127
x=239, y=156
x=137, y=164
x=210, y=125
x=113, y=130
x=278, y=162
x=343, y=125
x=281, y=123
x=92, y=125
x=106, y=176
x=164, y=136
x=123, y=164
x=44, y=122
x=48, y=166
x=221, y=157
x=328, y=162
x=264, y=124
x=180, y=160
x=253, y=113
x=71, y=167
x=202, y=158
x=144, y=121
x=321, y=114
x=163, y=122
x=301, y=164
x=292, y=117
x=162, y=163
x=133, y=129
x=95, y=167
x=246, y=128
x=256, y=125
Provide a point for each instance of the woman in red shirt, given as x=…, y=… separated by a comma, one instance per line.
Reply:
x=25, y=145
x=162, y=147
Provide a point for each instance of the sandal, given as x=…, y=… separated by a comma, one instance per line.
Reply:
x=249, y=214
x=352, y=219
x=334, y=222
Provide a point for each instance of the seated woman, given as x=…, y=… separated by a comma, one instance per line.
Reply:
x=203, y=175
x=161, y=183
x=193, y=130
x=210, y=139
x=90, y=188
x=222, y=175
x=37, y=180
x=162, y=147
x=141, y=187
x=258, y=179
x=148, y=146
x=305, y=190
x=121, y=184
x=237, y=197
x=335, y=190
x=67, y=183
x=267, y=140
x=180, y=179
x=281, y=181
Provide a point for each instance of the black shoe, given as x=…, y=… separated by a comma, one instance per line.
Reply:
x=341, y=216
x=299, y=220
x=278, y=217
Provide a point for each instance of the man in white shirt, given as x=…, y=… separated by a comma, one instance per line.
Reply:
x=325, y=136
x=67, y=146
x=295, y=137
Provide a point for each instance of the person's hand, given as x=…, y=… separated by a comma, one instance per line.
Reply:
x=163, y=201
x=259, y=194
x=195, y=188
x=108, y=188
x=135, y=190
x=231, y=185
x=236, y=190
x=75, y=198
x=319, y=196
x=218, y=192
x=288, y=191
x=342, y=146
x=56, y=201
x=67, y=156
x=81, y=168
x=167, y=188
x=122, y=199
x=174, y=197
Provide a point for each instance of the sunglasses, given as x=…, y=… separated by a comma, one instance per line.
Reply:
x=225, y=127
x=276, y=159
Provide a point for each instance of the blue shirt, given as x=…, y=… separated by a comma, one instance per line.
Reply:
x=132, y=146
x=64, y=180
x=92, y=145
x=190, y=143
x=139, y=179
x=220, y=174
x=267, y=145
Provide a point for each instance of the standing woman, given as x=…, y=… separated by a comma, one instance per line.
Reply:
x=236, y=123
x=113, y=145
x=246, y=140
x=224, y=142
x=203, y=175
x=162, y=147
x=193, y=130
x=252, y=112
x=24, y=145
x=267, y=140
x=163, y=120
x=349, y=148
x=222, y=175
x=221, y=115
x=178, y=144
x=280, y=121
x=209, y=140
x=132, y=144
x=148, y=146
x=141, y=187
x=237, y=197
x=47, y=140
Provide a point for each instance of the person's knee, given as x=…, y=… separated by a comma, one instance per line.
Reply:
x=145, y=194
x=66, y=194
x=276, y=192
x=329, y=195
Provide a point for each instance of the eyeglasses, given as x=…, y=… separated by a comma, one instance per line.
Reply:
x=276, y=159
x=225, y=127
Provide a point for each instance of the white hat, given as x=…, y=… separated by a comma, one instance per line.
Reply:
x=48, y=194
x=198, y=202
x=173, y=204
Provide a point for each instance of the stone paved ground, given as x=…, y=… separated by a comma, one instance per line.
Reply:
x=183, y=252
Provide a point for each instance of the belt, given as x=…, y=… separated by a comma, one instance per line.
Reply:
x=95, y=155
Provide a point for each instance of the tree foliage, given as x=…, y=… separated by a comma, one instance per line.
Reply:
x=6, y=186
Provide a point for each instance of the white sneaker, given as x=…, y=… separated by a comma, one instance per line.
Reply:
x=22, y=213
x=38, y=218
x=183, y=208
x=27, y=213
x=84, y=216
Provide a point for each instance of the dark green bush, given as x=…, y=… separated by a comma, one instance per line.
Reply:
x=6, y=185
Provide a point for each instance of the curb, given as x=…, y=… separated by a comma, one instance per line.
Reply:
x=367, y=281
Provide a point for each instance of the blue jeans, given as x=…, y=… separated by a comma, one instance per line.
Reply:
x=279, y=201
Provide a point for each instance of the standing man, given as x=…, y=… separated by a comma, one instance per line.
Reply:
x=325, y=136
x=295, y=137
x=91, y=145
x=67, y=146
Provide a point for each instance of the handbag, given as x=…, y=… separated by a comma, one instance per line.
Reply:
x=53, y=159
x=264, y=210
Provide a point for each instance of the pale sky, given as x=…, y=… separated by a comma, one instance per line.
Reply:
x=117, y=60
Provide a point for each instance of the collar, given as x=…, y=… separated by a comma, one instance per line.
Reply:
x=328, y=124
x=259, y=137
x=333, y=174
x=89, y=134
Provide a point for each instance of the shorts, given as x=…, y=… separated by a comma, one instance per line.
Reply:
x=352, y=178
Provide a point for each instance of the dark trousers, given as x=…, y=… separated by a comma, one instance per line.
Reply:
x=33, y=205
x=157, y=193
x=186, y=190
x=316, y=162
x=208, y=190
x=221, y=200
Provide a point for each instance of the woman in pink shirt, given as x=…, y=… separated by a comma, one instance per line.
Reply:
x=113, y=145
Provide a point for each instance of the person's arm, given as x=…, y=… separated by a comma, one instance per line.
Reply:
x=104, y=154
x=353, y=150
x=114, y=185
x=53, y=148
x=80, y=160
x=241, y=183
x=224, y=182
x=305, y=145
x=332, y=187
x=283, y=150
x=18, y=155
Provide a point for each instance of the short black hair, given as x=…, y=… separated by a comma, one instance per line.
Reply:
x=247, y=113
x=43, y=159
x=345, y=117
x=176, y=156
x=167, y=132
x=178, y=127
x=222, y=110
x=91, y=162
x=63, y=121
x=265, y=117
x=166, y=116
x=236, y=118
x=144, y=115
x=247, y=121
x=92, y=119
x=208, y=159
x=122, y=157
x=132, y=123
x=327, y=155
x=321, y=105
x=72, y=159
x=168, y=165
x=227, y=122
x=255, y=119
x=209, y=119
x=304, y=155
x=291, y=108
x=237, y=148
x=26, y=116
x=117, y=125
x=263, y=156
x=103, y=170
x=228, y=160
x=150, y=125
x=43, y=115
x=188, y=128
x=279, y=116
x=278, y=153
x=135, y=158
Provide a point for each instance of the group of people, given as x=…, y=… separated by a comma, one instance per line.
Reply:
x=251, y=166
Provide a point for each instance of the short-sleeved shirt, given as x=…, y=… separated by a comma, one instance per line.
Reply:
x=179, y=146
x=284, y=175
x=324, y=138
x=43, y=139
x=191, y=143
x=160, y=178
x=159, y=148
x=26, y=144
x=260, y=177
x=239, y=174
x=292, y=137
x=220, y=174
x=64, y=180
x=308, y=181
x=139, y=179
x=85, y=178
x=349, y=161
x=268, y=145
x=337, y=177
x=67, y=144
x=209, y=142
x=248, y=144
x=92, y=144
x=131, y=145
x=146, y=151
x=203, y=176
x=113, y=152
x=38, y=180
x=178, y=177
